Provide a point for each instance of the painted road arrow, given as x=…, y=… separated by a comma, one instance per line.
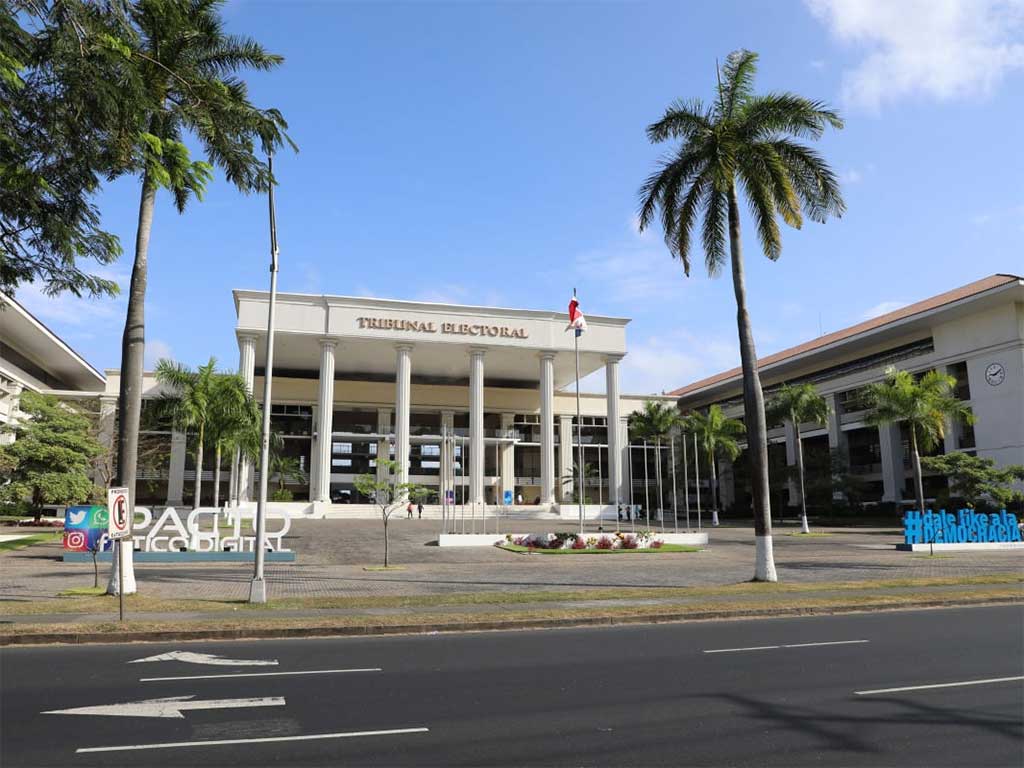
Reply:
x=206, y=658
x=169, y=707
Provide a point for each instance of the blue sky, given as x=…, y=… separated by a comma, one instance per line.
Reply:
x=491, y=153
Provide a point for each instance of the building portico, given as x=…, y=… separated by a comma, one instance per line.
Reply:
x=489, y=378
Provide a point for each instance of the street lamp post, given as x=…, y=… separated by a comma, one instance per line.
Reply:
x=258, y=587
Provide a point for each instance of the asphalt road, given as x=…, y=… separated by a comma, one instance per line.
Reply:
x=639, y=695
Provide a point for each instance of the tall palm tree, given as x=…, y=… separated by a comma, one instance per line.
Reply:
x=923, y=405
x=181, y=79
x=233, y=422
x=799, y=404
x=654, y=422
x=716, y=436
x=188, y=401
x=745, y=138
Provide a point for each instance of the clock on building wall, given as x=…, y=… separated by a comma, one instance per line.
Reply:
x=995, y=374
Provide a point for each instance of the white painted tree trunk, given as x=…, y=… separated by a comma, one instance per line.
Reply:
x=216, y=479
x=764, y=563
x=714, y=489
x=125, y=549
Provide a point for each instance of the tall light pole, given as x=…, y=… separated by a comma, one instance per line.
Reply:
x=258, y=587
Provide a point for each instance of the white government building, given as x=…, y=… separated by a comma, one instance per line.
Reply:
x=357, y=378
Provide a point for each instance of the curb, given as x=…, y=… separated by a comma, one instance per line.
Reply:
x=256, y=633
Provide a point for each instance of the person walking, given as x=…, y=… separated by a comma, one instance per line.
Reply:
x=419, y=510
x=408, y=511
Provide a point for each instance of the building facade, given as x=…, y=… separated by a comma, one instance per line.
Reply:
x=975, y=333
x=360, y=378
x=34, y=358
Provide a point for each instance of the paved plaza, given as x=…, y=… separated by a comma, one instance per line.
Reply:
x=333, y=556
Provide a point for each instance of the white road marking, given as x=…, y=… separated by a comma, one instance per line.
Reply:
x=833, y=642
x=263, y=740
x=792, y=645
x=257, y=674
x=168, y=707
x=940, y=685
x=752, y=648
x=206, y=658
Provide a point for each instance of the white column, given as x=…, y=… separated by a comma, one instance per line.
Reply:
x=314, y=451
x=176, y=471
x=447, y=456
x=247, y=370
x=566, y=453
x=623, y=454
x=508, y=461
x=611, y=374
x=325, y=423
x=476, y=426
x=403, y=384
x=547, y=428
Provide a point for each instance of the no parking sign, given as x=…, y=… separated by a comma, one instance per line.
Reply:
x=119, y=519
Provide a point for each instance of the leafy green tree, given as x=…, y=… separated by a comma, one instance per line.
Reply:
x=387, y=493
x=186, y=68
x=717, y=435
x=64, y=122
x=654, y=422
x=799, y=404
x=976, y=479
x=747, y=141
x=51, y=457
x=923, y=405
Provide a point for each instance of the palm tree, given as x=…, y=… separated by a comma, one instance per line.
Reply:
x=233, y=422
x=923, y=405
x=589, y=473
x=799, y=404
x=748, y=139
x=284, y=467
x=716, y=436
x=188, y=402
x=654, y=422
x=181, y=80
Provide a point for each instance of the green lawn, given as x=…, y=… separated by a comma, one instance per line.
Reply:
x=595, y=551
x=35, y=538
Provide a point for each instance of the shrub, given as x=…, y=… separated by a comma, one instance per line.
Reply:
x=629, y=542
x=281, y=494
x=579, y=543
x=604, y=543
x=656, y=544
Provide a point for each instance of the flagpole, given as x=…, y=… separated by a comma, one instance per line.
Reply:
x=579, y=424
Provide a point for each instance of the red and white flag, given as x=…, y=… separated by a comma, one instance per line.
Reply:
x=576, y=320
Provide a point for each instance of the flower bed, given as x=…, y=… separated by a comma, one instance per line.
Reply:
x=574, y=543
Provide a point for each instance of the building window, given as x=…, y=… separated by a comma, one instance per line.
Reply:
x=962, y=388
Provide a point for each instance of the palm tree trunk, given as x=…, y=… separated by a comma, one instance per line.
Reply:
x=916, y=456
x=714, y=488
x=804, y=527
x=198, y=487
x=385, y=541
x=133, y=351
x=661, y=495
x=753, y=407
x=216, y=477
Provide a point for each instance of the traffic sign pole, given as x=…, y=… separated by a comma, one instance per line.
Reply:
x=119, y=528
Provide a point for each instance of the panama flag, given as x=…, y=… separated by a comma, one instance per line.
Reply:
x=576, y=319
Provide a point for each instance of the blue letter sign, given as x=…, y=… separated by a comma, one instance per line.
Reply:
x=965, y=527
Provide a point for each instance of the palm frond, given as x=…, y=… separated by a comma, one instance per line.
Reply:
x=684, y=120
x=737, y=80
x=713, y=234
x=770, y=115
x=812, y=179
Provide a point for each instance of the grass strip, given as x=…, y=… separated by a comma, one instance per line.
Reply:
x=149, y=603
x=410, y=622
x=36, y=538
x=594, y=551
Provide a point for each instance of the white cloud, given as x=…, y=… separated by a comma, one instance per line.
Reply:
x=851, y=176
x=67, y=310
x=156, y=350
x=882, y=308
x=941, y=49
x=669, y=361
